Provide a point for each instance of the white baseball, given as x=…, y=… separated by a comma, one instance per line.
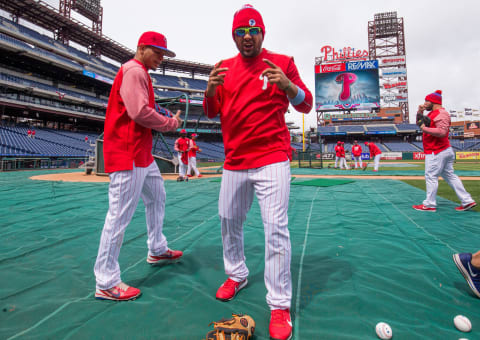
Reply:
x=384, y=331
x=462, y=323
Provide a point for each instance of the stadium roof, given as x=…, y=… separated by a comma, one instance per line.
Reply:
x=43, y=15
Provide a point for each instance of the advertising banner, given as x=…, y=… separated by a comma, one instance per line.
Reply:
x=467, y=155
x=473, y=125
x=391, y=155
x=356, y=87
x=418, y=156
x=328, y=155
x=394, y=72
x=392, y=61
x=395, y=85
x=365, y=156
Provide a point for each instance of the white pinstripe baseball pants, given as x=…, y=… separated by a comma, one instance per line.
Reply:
x=376, y=162
x=271, y=184
x=441, y=164
x=358, y=161
x=126, y=187
x=182, y=168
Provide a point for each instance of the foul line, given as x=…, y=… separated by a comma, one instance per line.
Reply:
x=59, y=309
x=297, y=303
x=418, y=226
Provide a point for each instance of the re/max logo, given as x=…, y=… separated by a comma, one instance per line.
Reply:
x=362, y=65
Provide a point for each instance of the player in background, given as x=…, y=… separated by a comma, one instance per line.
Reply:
x=192, y=156
x=439, y=155
x=338, y=152
x=357, y=154
x=375, y=154
x=343, y=161
x=182, y=146
x=129, y=162
x=251, y=92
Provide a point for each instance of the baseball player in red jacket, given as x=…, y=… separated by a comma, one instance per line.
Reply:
x=439, y=155
x=251, y=92
x=192, y=157
x=357, y=154
x=343, y=161
x=338, y=154
x=133, y=172
x=182, y=146
x=375, y=154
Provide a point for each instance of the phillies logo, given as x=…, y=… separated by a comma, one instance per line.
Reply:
x=347, y=80
x=265, y=81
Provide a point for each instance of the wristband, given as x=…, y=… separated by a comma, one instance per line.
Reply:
x=288, y=86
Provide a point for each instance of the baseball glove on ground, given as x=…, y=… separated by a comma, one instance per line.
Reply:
x=239, y=327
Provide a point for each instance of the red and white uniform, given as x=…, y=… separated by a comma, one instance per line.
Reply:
x=439, y=158
x=182, y=146
x=257, y=153
x=357, y=155
x=338, y=153
x=343, y=162
x=192, y=158
x=133, y=173
x=375, y=154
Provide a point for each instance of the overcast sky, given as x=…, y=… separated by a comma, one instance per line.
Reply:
x=441, y=37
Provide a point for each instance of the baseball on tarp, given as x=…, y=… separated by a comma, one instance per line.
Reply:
x=462, y=323
x=383, y=330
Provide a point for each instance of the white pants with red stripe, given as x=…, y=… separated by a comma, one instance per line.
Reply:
x=441, y=164
x=192, y=165
x=336, y=161
x=126, y=187
x=271, y=184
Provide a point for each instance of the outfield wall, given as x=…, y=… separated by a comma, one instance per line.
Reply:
x=417, y=156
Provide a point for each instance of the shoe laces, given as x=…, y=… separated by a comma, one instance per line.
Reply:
x=279, y=316
x=230, y=284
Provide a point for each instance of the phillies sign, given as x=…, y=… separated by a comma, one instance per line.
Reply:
x=330, y=54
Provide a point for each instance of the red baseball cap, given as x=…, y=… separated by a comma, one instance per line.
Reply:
x=194, y=135
x=157, y=40
x=366, y=143
x=183, y=131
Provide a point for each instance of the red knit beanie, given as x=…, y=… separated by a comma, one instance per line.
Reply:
x=247, y=16
x=435, y=98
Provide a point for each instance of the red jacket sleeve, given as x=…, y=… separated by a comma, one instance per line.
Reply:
x=292, y=73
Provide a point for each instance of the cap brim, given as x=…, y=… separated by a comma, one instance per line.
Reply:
x=168, y=53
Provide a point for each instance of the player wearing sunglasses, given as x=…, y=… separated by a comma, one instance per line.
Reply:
x=251, y=92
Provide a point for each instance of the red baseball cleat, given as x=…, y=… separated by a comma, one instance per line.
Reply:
x=168, y=256
x=421, y=207
x=120, y=292
x=200, y=175
x=229, y=289
x=280, y=324
x=189, y=176
x=466, y=207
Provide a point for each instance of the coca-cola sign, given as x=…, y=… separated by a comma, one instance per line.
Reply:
x=332, y=68
x=346, y=53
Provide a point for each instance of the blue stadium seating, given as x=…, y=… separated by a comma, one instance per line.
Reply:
x=14, y=141
x=407, y=127
x=351, y=128
x=401, y=147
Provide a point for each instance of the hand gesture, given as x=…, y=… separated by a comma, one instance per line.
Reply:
x=215, y=79
x=177, y=117
x=275, y=75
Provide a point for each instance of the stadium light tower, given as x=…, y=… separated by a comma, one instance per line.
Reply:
x=386, y=42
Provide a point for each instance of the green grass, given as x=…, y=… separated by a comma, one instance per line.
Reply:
x=444, y=190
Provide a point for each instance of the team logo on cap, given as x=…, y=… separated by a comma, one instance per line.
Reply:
x=252, y=22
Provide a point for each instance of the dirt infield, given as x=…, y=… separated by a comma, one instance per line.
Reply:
x=82, y=177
